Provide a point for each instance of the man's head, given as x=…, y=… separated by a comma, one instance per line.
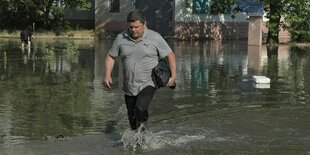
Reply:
x=136, y=22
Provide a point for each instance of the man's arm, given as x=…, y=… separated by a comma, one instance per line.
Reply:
x=172, y=66
x=109, y=63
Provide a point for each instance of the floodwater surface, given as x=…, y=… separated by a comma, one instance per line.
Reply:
x=52, y=101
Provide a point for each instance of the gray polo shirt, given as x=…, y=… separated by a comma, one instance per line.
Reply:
x=138, y=58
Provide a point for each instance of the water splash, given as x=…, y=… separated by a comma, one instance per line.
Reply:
x=132, y=140
x=148, y=140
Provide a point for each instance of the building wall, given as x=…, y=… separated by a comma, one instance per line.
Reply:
x=106, y=21
x=185, y=23
x=222, y=26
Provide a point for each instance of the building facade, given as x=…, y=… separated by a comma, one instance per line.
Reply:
x=182, y=19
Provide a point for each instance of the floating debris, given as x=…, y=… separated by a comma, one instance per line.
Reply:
x=261, y=79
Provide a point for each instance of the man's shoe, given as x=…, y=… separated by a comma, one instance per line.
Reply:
x=142, y=128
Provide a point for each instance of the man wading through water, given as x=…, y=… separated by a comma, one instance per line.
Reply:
x=25, y=37
x=139, y=49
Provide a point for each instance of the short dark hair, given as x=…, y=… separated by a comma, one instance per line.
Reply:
x=136, y=15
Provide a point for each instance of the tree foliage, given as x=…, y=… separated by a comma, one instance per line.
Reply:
x=47, y=14
x=292, y=15
x=274, y=10
x=224, y=6
x=298, y=18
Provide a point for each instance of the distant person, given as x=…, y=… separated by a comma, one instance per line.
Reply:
x=25, y=37
x=139, y=49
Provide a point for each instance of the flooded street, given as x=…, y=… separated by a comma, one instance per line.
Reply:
x=52, y=100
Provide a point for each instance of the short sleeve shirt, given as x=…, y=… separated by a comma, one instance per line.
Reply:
x=138, y=58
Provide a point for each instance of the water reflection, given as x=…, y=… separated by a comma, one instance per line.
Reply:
x=55, y=88
x=43, y=90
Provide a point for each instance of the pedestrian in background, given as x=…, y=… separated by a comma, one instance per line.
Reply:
x=139, y=49
x=25, y=37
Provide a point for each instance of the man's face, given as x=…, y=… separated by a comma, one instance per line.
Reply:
x=136, y=29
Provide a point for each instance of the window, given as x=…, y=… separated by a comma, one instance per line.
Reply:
x=201, y=6
x=114, y=6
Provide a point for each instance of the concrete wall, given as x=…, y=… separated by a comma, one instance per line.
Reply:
x=255, y=30
x=106, y=21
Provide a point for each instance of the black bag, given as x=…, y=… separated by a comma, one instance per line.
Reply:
x=161, y=74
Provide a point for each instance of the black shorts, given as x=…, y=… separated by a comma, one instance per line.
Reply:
x=25, y=41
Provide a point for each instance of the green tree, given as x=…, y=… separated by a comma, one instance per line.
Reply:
x=298, y=19
x=274, y=10
x=222, y=6
x=54, y=10
x=4, y=12
x=42, y=12
x=292, y=15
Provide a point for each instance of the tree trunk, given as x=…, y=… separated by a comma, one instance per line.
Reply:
x=47, y=11
x=274, y=23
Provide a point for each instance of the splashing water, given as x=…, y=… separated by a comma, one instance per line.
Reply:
x=133, y=140
x=151, y=141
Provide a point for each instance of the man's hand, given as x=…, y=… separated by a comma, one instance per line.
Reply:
x=109, y=63
x=107, y=82
x=171, y=82
x=172, y=66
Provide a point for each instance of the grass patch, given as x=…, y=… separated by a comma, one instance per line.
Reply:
x=44, y=33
